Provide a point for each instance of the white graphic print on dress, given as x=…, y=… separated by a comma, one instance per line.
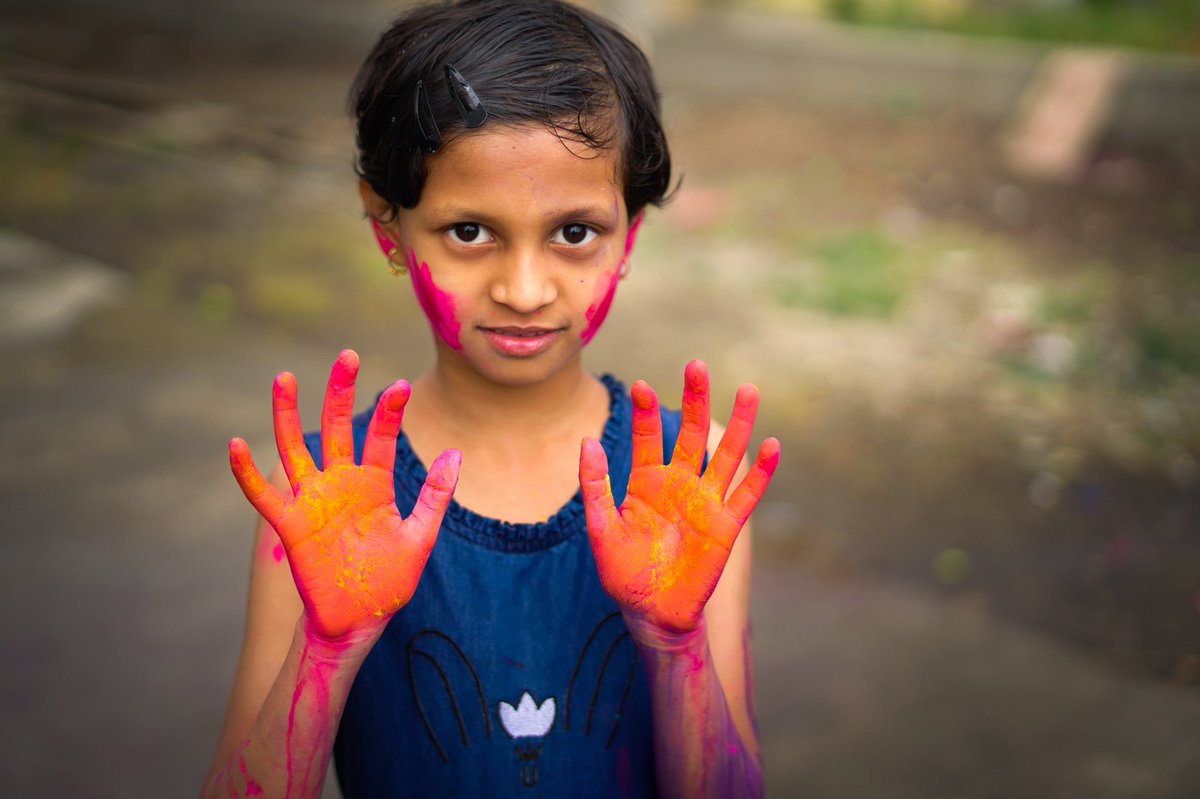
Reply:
x=528, y=720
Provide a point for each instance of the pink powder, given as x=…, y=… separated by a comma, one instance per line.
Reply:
x=597, y=312
x=385, y=241
x=438, y=305
x=253, y=789
x=278, y=553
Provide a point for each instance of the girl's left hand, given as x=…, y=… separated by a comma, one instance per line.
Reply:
x=660, y=555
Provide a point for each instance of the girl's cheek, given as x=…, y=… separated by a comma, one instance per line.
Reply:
x=606, y=288
x=438, y=305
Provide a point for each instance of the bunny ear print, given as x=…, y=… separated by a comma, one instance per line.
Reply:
x=446, y=689
x=601, y=680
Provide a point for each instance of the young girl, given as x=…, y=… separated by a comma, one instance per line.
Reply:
x=507, y=151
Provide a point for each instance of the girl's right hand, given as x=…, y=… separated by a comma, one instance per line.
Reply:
x=355, y=560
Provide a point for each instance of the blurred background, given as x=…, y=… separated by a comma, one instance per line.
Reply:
x=955, y=242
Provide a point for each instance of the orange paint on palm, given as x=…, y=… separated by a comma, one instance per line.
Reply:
x=660, y=555
x=354, y=559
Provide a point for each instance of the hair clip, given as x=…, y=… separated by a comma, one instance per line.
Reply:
x=426, y=122
x=465, y=99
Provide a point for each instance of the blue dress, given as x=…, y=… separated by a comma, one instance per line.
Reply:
x=511, y=672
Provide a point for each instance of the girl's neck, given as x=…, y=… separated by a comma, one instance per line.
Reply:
x=461, y=401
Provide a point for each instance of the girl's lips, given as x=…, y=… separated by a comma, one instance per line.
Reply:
x=520, y=342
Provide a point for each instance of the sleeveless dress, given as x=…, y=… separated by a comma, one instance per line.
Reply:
x=511, y=672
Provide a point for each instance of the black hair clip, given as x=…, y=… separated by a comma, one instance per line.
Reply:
x=465, y=99
x=426, y=122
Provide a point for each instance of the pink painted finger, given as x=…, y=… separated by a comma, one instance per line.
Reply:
x=265, y=498
x=598, y=504
x=746, y=496
x=379, y=450
x=693, y=429
x=732, y=449
x=337, y=437
x=647, y=427
x=436, y=493
x=289, y=435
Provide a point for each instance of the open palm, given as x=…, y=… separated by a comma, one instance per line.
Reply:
x=661, y=553
x=355, y=560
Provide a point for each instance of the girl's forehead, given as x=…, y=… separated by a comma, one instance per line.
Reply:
x=520, y=166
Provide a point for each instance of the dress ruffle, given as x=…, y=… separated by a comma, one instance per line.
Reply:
x=504, y=536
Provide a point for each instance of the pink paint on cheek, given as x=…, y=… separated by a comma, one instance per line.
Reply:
x=597, y=312
x=385, y=241
x=438, y=305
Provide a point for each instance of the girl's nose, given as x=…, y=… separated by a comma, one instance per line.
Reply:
x=524, y=283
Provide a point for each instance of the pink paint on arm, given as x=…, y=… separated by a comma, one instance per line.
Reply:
x=597, y=312
x=278, y=553
x=698, y=750
x=438, y=305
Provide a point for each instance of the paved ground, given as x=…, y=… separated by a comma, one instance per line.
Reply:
x=126, y=542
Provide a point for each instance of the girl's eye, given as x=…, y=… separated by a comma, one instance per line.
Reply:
x=574, y=235
x=469, y=233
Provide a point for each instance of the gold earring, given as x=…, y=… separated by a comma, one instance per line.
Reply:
x=397, y=270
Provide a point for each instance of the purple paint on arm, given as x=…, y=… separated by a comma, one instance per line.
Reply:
x=438, y=305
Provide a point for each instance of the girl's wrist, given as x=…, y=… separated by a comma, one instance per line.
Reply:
x=351, y=647
x=651, y=637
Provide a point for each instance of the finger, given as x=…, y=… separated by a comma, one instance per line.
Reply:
x=693, y=429
x=436, y=493
x=599, y=507
x=289, y=436
x=379, y=450
x=265, y=498
x=337, y=437
x=746, y=496
x=647, y=427
x=732, y=449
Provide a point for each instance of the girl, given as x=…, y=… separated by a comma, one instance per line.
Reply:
x=507, y=151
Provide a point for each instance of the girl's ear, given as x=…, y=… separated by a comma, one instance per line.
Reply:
x=373, y=205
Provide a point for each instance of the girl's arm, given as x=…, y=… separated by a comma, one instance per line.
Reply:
x=342, y=561
x=661, y=557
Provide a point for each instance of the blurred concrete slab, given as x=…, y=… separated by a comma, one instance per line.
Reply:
x=1063, y=112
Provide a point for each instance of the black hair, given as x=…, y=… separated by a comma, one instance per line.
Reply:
x=540, y=62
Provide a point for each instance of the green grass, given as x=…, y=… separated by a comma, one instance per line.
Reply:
x=854, y=274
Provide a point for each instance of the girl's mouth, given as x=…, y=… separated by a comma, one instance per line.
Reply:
x=521, y=342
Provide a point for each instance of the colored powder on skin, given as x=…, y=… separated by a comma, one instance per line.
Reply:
x=385, y=242
x=597, y=312
x=278, y=553
x=318, y=674
x=253, y=789
x=438, y=305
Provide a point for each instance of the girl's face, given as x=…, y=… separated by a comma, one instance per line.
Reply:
x=515, y=249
